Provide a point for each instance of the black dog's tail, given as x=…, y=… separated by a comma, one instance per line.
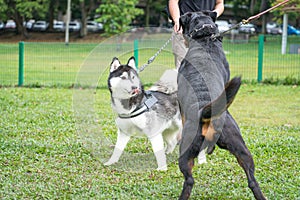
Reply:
x=218, y=106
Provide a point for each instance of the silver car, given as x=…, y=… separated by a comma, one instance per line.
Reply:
x=40, y=26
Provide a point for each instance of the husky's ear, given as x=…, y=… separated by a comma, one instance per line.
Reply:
x=131, y=63
x=115, y=64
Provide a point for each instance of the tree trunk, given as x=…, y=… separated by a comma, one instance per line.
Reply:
x=264, y=6
x=147, y=18
x=252, y=6
x=51, y=14
x=20, y=29
x=83, y=30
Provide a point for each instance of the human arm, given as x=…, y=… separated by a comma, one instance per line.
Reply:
x=175, y=14
x=219, y=8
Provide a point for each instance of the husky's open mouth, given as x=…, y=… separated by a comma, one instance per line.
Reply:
x=135, y=92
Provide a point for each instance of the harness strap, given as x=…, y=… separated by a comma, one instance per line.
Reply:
x=145, y=107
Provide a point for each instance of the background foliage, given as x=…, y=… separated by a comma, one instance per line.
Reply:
x=118, y=14
x=115, y=13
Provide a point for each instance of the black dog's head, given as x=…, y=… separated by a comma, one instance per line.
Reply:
x=199, y=24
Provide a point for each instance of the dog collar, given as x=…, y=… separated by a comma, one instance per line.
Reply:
x=145, y=107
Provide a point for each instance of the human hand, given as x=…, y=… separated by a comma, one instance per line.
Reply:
x=177, y=28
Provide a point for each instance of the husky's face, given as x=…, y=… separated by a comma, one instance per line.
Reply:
x=123, y=81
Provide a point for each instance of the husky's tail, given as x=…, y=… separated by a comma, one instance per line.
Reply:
x=167, y=83
x=215, y=109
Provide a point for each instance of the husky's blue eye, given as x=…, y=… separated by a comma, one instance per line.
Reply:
x=123, y=77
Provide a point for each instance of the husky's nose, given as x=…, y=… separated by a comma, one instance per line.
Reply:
x=135, y=90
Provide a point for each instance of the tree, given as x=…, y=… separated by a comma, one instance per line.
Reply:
x=265, y=4
x=82, y=9
x=20, y=10
x=237, y=6
x=86, y=8
x=3, y=8
x=53, y=4
x=292, y=5
x=118, y=14
x=155, y=12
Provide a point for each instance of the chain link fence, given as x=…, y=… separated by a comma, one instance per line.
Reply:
x=56, y=65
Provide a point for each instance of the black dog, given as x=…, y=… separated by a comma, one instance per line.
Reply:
x=205, y=93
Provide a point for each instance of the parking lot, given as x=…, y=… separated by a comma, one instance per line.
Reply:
x=93, y=26
x=58, y=26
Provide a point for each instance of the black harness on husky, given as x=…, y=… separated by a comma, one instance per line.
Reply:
x=145, y=107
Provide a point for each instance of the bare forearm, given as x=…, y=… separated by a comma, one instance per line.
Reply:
x=174, y=10
x=219, y=8
x=175, y=13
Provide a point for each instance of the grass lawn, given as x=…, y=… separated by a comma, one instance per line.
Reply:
x=52, y=143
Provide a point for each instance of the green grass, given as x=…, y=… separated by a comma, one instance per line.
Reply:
x=53, y=143
x=54, y=64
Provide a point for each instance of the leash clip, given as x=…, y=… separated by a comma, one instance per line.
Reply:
x=150, y=101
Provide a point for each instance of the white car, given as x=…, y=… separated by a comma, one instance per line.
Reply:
x=1, y=25
x=273, y=28
x=74, y=26
x=93, y=26
x=40, y=26
x=247, y=28
x=223, y=25
x=29, y=24
x=59, y=26
x=10, y=24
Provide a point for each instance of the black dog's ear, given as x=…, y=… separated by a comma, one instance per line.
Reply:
x=184, y=20
x=115, y=64
x=212, y=14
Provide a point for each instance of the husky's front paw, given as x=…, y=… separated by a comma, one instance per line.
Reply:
x=110, y=162
x=163, y=168
x=168, y=150
x=202, y=157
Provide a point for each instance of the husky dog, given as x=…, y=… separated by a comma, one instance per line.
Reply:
x=153, y=113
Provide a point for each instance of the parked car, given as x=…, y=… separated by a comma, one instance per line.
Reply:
x=273, y=28
x=10, y=24
x=292, y=30
x=58, y=26
x=1, y=25
x=223, y=25
x=92, y=26
x=247, y=28
x=40, y=26
x=29, y=24
x=74, y=26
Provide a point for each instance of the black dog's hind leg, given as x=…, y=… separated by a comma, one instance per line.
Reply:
x=186, y=165
x=191, y=144
x=188, y=152
x=232, y=140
